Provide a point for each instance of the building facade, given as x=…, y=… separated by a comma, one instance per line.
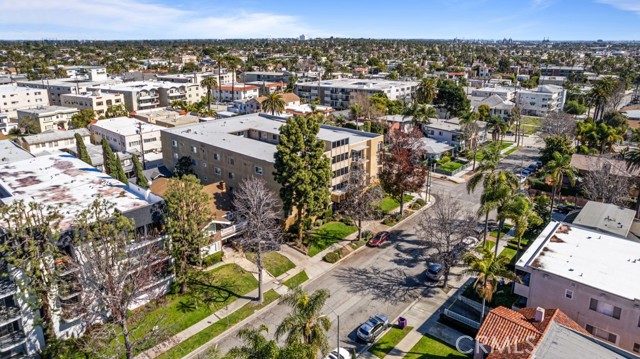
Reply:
x=142, y=95
x=95, y=100
x=49, y=117
x=543, y=99
x=125, y=134
x=13, y=98
x=238, y=91
x=49, y=142
x=338, y=93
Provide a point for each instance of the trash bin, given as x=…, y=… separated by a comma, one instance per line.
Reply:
x=402, y=322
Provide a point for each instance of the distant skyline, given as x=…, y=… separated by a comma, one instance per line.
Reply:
x=415, y=19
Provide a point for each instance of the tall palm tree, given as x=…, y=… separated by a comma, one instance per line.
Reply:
x=488, y=268
x=421, y=113
x=220, y=61
x=470, y=128
x=496, y=195
x=499, y=126
x=232, y=63
x=256, y=346
x=484, y=173
x=426, y=90
x=520, y=210
x=274, y=103
x=556, y=170
x=209, y=82
x=306, y=324
x=608, y=137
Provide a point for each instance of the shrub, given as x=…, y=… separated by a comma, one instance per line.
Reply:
x=416, y=205
x=327, y=214
x=389, y=221
x=420, y=201
x=357, y=244
x=318, y=222
x=444, y=160
x=212, y=259
x=366, y=235
x=347, y=220
x=306, y=224
x=333, y=257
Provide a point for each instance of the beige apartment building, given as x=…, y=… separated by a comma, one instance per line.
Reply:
x=13, y=98
x=49, y=117
x=590, y=275
x=94, y=100
x=236, y=148
x=142, y=95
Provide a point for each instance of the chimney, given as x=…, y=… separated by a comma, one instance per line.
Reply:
x=223, y=186
x=539, y=315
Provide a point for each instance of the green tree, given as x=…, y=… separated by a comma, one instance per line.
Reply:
x=499, y=127
x=470, y=129
x=233, y=62
x=426, y=91
x=29, y=125
x=521, y=211
x=116, y=111
x=183, y=167
x=575, y=108
x=187, y=214
x=119, y=171
x=488, y=268
x=81, y=150
x=108, y=158
x=556, y=170
x=209, y=83
x=499, y=190
x=141, y=179
x=306, y=324
x=484, y=112
x=301, y=169
x=552, y=144
x=452, y=98
x=420, y=114
x=256, y=346
x=83, y=118
x=274, y=103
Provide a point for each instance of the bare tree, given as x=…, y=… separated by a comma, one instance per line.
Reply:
x=359, y=196
x=367, y=109
x=615, y=100
x=116, y=271
x=443, y=228
x=558, y=124
x=257, y=205
x=606, y=184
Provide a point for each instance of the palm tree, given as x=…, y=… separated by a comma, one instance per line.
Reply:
x=209, y=82
x=470, y=128
x=556, y=170
x=608, y=136
x=421, y=113
x=256, y=346
x=484, y=173
x=273, y=103
x=499, y=127
x=520, y=210
x=426, y=90
x=306, y=324
x=220, y=61
x=496, y=195
x=232, y=63
x=487, y=268
x=179, y=105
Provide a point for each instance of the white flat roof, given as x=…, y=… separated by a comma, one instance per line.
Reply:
x=44, y=110
x=62, y=180
x=606, y=262
x=364, y=84
x=126, y=126
x=14, y=89
x=54, y=136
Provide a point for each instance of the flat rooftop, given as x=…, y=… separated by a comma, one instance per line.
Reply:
x=606, y=262
x=606, y=217
x=14, y=89
x=126, y=126
x=49, y=110
x=10, y=152
x=54, y=136
x=64, y=181
x=220, y=133
x=377, y=84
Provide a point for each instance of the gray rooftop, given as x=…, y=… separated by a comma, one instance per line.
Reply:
x=54, y=136
x=49, y=110
x=434, y=147
x=10, y=152
x=364, y=84
x=606, y=217
x=398, y=118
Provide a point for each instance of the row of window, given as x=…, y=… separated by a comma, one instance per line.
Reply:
x=342, y=171
x=340, y=158
x=217, y=170
x=340, y=143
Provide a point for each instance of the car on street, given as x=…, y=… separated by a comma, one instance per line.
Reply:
x=434, y=271
x=539, y=164
x=465, y=245
x=339, y=353
x=526, y=172
x=533, y=167
x=378, y=239
x=522, y=178
x=372, y=328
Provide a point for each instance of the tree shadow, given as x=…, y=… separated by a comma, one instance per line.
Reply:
x=211, y=293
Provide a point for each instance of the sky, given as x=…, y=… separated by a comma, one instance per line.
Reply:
x=423, y=19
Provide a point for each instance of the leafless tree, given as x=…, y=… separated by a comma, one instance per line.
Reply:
x=359, y=196
x=257, y=205
x=617, y=96
x=115, y=271
x=558, y=124
x=606, y=184
x=364, y=107
x=443, y=227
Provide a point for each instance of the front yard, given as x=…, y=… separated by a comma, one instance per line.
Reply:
x=328, y=234
x=383, y=346
x=390, y=203
x=275, y=263
x=429, y=348
x=450, y=166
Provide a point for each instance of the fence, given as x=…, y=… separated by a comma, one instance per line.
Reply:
x=451, y=173
x=462, y=319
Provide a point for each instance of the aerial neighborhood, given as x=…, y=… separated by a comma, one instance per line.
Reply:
x=328, y=197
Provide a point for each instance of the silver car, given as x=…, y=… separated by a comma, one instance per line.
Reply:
x=372, y=328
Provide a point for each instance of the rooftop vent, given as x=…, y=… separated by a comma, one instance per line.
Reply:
x=539, y=317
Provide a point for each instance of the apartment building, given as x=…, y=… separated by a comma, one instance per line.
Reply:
x=238, y=91
x=48, y=142
x=266, y=76
x=543, y=99
x=6, y=125
x=291, y=100
x=49, y=117
x=497, y=105
x=91, y=73
x=13, y=98
x=450, y=132
x=11, y=152
x=97, y=158
x=236, y=148
x=166, y=118
x=561, y=70
x=195, y=78
x=64, y=181
x=125, y=134
x=95, y=100
x=505, y=93
x=338, y=93
x=55, y=88
x=589, y=275
x=267, y=88
x=141, y=95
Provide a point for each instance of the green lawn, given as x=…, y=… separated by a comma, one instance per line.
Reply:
x=489, y=244
x=429, y=348
x=511, y=151
x=451, y=166
x=274, y=262
x=177, y=312
x=505, y=144
x=505, y=229
x=217, y=328
x=297, y=279
x=530, y=124
x=327, y=235
x=389, y=203
x=383, y=346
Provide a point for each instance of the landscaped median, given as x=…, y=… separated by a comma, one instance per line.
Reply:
x=297, y=280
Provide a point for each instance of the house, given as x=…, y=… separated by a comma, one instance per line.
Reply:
x=552, y=80
x=266, y=88
x=95, y=100
x=505, y=93
x=587, y=163
x=13, y=98
x=303, y=109
x=97, y=158
x=235, y=148
x=398, y=123
x=497, y=105
x=538, y=333
x=435, y=150
x=450, y=132
x=266, y=76
x=49, y=117
x=255, y=105
x=564, y=71
x=237, y=91
x=589, y=275
x=607, y=218
x=6, y=125
x=48, y=142
x=485, y=71
x=166, y=118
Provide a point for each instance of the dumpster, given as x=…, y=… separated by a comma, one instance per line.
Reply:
x=402, y=322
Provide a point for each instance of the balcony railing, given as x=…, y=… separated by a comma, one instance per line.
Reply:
x=12, y=340
x=68, y=290
x=7, y=288
x=231, y=231
x=9, y=314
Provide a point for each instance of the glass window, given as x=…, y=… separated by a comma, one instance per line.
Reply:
x=259, y=170
x=217, y=171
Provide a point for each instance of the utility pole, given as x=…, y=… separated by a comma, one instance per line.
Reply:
x=139, y=125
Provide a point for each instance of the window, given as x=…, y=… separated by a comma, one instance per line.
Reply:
x=636, y=348
x=195, y=163
x=259, y=170
x=134, y=143
x=216, y=157
x=230, y=161
x=152, y=139
x=204, y=164
x=217, y=171
x=602, y=334
x=194, y=149
x=568, y=294
x=274, y=137
x=175, y=155
x=231, y=175
x=174, y=143
x=605, y=308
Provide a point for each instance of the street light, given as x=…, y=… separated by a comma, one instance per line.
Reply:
x=338, y=331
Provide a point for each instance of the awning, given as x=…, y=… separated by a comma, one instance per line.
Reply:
x=360, y=148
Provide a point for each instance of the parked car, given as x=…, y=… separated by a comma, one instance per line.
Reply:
x=467, y=244
x=373, y=327
x=378, y=239
x=539, y=164
x=339, y=353
x=525, y=172
x=533, y=167
x=522, y=178
x=434, y=271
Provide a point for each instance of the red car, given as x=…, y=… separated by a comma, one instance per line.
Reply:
x=379, y=239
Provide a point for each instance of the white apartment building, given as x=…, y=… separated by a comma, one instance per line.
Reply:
x=49, y=117
x=95, y=100
x=91, y=73
x=141, y=95
x=238, y=91
x=58, y=87
x=13, y=98
x=337, y=93
x=125, y=134
x=543, y=99
x=5, y=124
x=506, y=93
x=590, y=275
x=49, y=142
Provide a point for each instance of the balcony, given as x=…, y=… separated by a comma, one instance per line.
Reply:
x=9, y=314
x=71, y=311
x=12, y=340
x=65, y=266
x=7, y=288
x=68, y=290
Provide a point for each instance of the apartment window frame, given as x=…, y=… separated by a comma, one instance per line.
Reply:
x=603, y=308
x=258, y=170
x=636, y=347
x=568, y=294
x=231, y=161
x=216, y=157
x=217, y=171
x=194, y=149
x=600, y=333
x=231, y=175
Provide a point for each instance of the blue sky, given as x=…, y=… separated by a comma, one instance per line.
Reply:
x=428, y=19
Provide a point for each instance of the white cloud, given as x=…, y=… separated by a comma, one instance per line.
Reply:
x=627, y=5
x=136, y=19
x=540, y=4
